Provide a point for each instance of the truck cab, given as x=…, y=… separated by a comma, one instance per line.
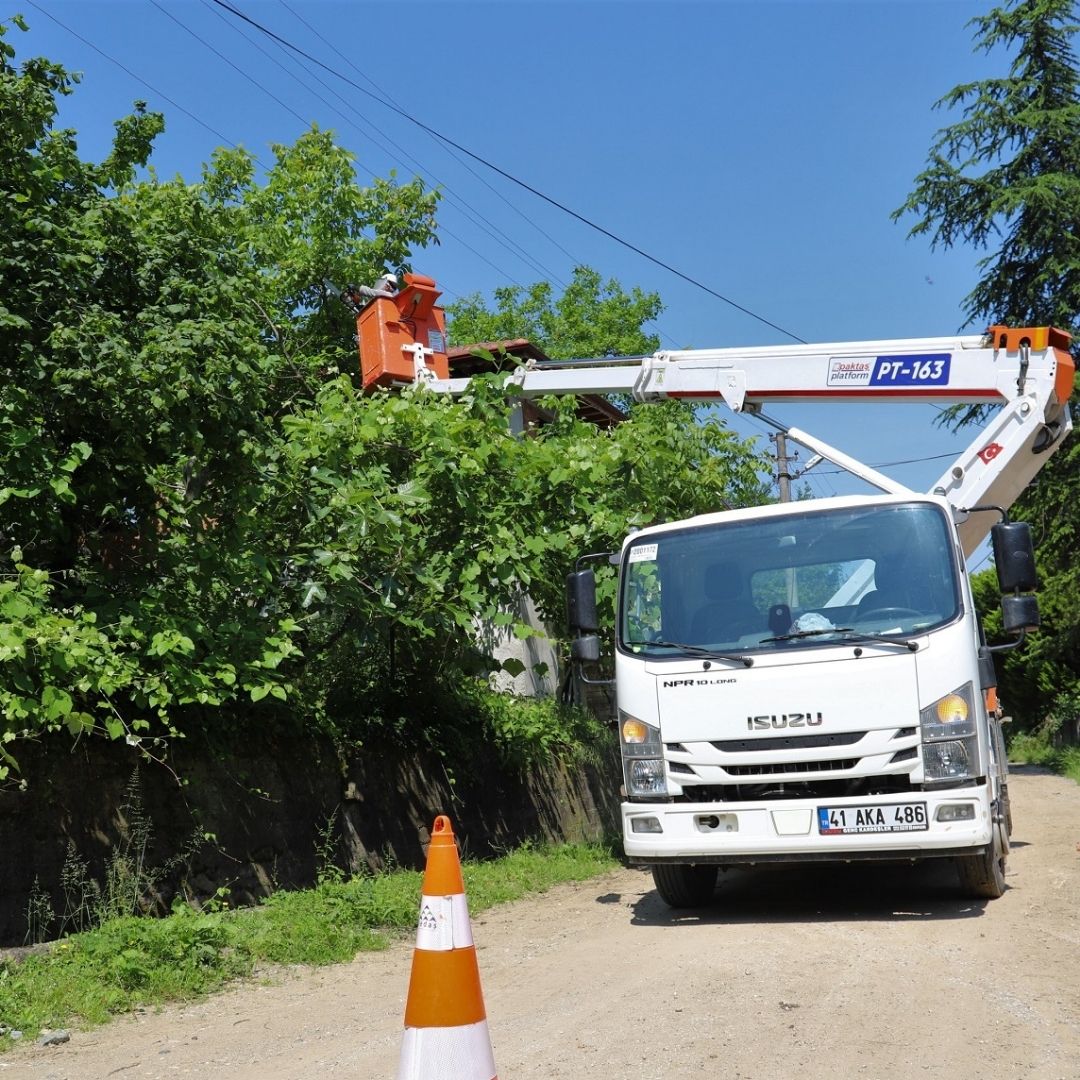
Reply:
x=803, y=681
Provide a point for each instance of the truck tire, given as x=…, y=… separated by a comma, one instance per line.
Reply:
x=982, y=876
x=684, y=885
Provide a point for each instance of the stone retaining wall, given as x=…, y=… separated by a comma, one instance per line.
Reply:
x=267, y=807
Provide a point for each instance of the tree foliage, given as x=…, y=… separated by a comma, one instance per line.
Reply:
x=591, y=317
x=201, y=521
x=1005, y=177
x=153, y=335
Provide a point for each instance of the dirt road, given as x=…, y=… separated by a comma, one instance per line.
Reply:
x=811, y=974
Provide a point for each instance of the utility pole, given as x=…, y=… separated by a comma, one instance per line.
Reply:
x=783, y=477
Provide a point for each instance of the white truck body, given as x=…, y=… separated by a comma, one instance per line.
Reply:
x=759, y=760
x=845, y=710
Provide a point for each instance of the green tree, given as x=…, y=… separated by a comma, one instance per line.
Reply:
x=671, y=460
x=152, y=336
x=1005, y=177
x=590, y=318
x=424, y=518
x=451, y=520
x=201, y=521
x=307, y=222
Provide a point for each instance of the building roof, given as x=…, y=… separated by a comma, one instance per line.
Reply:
x=593, y=408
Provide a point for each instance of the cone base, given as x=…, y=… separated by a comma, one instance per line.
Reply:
x=447, y=1053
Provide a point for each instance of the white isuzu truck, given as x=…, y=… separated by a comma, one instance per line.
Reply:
x=809, y=680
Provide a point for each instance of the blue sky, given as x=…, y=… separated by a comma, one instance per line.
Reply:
x=758, y=147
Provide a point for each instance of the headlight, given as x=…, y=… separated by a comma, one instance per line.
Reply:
x=647, y=777
x=643, y=758
x=948, y=760
x=950, y=747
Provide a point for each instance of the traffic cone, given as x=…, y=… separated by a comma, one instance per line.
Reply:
x=446, y=1032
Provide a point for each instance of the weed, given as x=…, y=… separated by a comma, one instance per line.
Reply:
x=81, y=893
x=40, y=914
x=218, y=902
x=326, y=864
x=129, y=882
x=129, y=885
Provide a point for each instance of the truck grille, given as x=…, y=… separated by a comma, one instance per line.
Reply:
x=787, y=742
x=791, y=767
x=733, y=770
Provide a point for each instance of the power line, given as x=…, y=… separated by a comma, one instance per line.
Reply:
x=508, y=176
x=305, y=121
x=239, y=70
x=470, y=212
x=139, y=79
x=891, y=464
x=289, y=109
x=387, y=98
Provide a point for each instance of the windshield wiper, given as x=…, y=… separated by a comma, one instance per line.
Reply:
x=698, y=650
x=859, y=635
x=848, y=632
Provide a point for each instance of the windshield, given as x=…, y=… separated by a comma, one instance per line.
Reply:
x=810, y=578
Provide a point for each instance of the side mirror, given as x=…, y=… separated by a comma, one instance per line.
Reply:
x=1019, y=614
x=1014, y=556
x=585, y=649
x=581, y=601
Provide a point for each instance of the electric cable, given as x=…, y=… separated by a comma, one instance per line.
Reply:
x=509, y=176
x=474, y=216
x=306, y=122
x=236, y=67
x=383, y=97
x=388, y=98
x=139, y=79
x=892, y=464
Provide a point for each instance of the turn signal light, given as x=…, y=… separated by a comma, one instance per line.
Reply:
x=952, y=709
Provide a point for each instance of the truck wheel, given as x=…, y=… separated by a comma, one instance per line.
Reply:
x=683, y=885
x=982, y=876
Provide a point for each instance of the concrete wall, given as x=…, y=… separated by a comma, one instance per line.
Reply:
x=541, y=675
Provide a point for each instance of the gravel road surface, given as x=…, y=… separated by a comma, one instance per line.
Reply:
x=818, y=973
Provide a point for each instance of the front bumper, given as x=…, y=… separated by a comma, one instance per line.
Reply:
x=787, y=831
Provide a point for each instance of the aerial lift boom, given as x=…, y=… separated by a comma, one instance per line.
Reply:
x=1026, y=374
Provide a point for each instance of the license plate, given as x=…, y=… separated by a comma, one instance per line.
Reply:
x=892, y=817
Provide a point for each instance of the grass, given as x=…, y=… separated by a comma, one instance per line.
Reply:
x=132, y=961
x=1036, y=749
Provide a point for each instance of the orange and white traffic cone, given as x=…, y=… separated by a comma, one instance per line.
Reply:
x=446, y=1032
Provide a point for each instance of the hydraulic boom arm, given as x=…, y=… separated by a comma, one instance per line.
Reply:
x=1026, y=373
